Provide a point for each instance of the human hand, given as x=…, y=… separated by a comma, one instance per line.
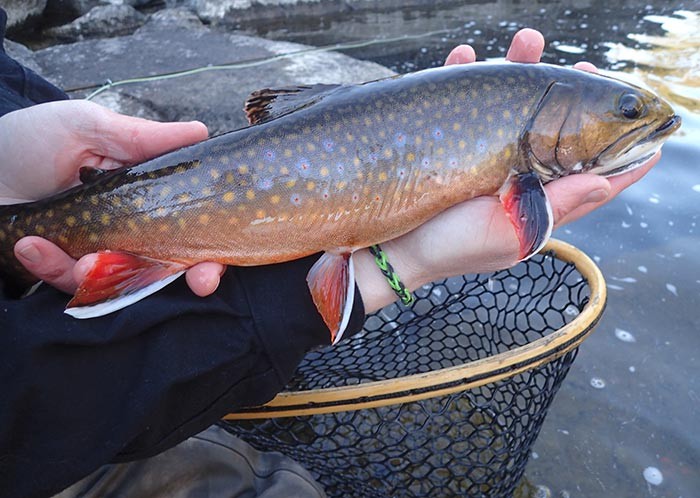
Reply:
x=43, y=148
x=481, y=237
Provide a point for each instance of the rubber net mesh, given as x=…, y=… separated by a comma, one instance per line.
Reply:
x=473, y=443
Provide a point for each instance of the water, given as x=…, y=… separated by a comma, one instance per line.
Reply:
x=624, y=423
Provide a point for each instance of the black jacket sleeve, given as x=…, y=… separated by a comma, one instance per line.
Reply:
x=81, y=393
x=19, y=86
x=77, y=394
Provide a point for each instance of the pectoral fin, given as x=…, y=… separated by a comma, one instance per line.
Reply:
x=118, y=279
x=529, y=211
x=332, y=284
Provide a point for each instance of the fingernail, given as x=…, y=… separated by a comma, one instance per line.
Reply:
x=30, y=253
x=596, y=196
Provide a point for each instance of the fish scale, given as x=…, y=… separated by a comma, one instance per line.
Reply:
x=337, y=168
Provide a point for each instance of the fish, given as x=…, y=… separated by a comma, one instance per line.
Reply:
x=332, y=169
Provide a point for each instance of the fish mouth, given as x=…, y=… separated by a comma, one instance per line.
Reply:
x=636, y=153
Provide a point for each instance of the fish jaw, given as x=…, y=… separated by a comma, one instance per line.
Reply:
x=610, y=163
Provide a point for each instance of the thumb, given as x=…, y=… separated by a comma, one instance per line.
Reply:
x=128, y=139
x=567, y=195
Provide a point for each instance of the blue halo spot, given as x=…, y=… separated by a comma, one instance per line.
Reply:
x=438, y=134
x=400, y=139
x=295, y=199
x=264, y=183
x=425, y=162
x=304, y=167
x=481, y=145
x=269, y=155
x=328, y=145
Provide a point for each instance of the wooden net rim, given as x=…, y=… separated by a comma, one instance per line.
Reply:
x=452, y=379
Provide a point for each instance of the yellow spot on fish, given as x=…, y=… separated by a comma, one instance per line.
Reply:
x=440, y=151
x=204, y=219
x=224, y=159
x=310, y=147
x=86, y=215
x=214, y=173
x=349, y=137
x=388, y=153
x=207, y=191
x=382, y=176
x=251, y=153
x=288, y=153
x=243, y=169
x=242, y=207
x=368, y=122
x=131, y=224
x=506, y=114
x=382, y=134
x=462, y=144
x=290, y=183
x=63, y=239
x=194, y=180
x=39, y=229
x=49, y=213
x=116, y=201
x=323, y=171
x=499, y=132
x=340, y=185
x=410, y=157
x=275, y=199
x=163, y=227
x=356, y=161
x=260, y=213
x=92, y=237
x=105, y=219
x=250, y=195
x=165, y=191
x=364, y=139
x=474, y=113
x=94, y=200
x=310, y=186
x=507, y=153
x=419, y=140
x=229, y=177
x=489, y=118
x=525, y=110
x=184, y=198
x=456, y=127
x=70, y=221
x=228, y=197
x=284, y=170
x=161, y=211
x=181, y=223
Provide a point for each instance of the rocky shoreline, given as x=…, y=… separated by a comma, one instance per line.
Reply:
x=137, y=47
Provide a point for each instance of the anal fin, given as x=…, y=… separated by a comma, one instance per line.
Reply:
x=529, y=210
x=119, y=279
x=332, y=284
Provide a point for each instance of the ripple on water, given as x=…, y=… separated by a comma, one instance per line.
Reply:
x=624, y=336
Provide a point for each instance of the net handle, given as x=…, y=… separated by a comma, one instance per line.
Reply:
x=452, y=379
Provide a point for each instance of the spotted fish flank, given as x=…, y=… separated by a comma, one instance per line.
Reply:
x=337, y=168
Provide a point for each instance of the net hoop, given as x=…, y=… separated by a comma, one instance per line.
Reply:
x=452, y=379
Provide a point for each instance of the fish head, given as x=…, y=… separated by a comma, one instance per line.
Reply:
x=590, y=123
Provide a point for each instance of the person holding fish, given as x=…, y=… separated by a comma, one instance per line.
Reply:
x=79, y=394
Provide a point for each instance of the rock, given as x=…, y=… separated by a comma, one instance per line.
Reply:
x=174, y=41
x=74, y=8
x=22, y=54
x=20, y=12
x=105, y=20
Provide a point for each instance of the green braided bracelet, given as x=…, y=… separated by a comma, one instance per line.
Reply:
x=393, y=279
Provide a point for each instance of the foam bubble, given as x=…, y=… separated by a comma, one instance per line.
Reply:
x=624, y=336
x=597, y=382
x=696, y=187
x=653, y=476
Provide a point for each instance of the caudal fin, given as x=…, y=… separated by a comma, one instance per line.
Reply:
x=529, y=211
x=118, y=279
x=332, y=284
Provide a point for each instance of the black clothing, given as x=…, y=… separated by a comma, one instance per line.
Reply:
x=19, y=86
x=76, y=394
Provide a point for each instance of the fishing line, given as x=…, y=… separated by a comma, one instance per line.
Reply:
x=254, y=62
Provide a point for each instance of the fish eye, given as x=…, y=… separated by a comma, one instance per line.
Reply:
x=631, y=106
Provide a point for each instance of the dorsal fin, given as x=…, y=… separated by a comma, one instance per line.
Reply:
x=88, y=174
x=265, y=105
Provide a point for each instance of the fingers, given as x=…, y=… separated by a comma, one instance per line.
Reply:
x=527, y=46
x=586, y=66
x=203, y=278
x=47, y=262
x=462, y=54
x=572, y=193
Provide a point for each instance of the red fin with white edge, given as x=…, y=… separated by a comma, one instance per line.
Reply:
x=529, y=210
x=119, y=279
x=332, y=284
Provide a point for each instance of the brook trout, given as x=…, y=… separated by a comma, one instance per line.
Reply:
x=336, y=168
